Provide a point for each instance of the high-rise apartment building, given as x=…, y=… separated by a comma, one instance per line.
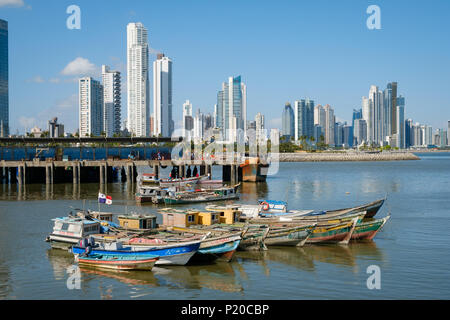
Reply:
x=288, y=122
x=188, y=120
x=138, y=81
x=330, y=120
x=162, y=96
x=232, y=108
x=260, y=127
x=4, y=82
x=90, y=107
x=303, y=119
x=393, y=87
x=112, y=102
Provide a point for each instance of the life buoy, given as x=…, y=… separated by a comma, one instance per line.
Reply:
x=265, y=206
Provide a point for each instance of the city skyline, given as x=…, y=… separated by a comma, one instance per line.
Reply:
x=41, y=83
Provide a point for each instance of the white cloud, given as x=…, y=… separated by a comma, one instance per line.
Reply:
x=11, y=3
x=36, y=79
x=81, y=67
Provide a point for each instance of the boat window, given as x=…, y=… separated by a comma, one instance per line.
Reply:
x=65, y=226
x=213, y=217
x=191, y=218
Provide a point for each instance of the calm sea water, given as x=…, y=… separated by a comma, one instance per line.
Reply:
x=412, y=250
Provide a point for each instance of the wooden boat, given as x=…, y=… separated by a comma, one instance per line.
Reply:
x=222, y=194
x=148, y=179
x=152, y=194
x=253, y=170
x=366, y=230
x=371, y=208
x=333, y=233
x=334, y=218
x=117, y=262
x=255, y=211
x=176, y=253
x=293, y=235
x=181, y=182
x=221, y=248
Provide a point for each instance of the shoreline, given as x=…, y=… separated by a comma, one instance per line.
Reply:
x=346, y=156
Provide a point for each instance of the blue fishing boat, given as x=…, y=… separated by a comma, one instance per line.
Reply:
x=117, y=262
x=178, y=253
x=221, y=248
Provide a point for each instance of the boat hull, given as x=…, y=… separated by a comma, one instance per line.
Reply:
x=289, y=237
x=188, y=201
x=220, y=252
x=169, y=255
x=340, y=233
x=138, y=264
x=368, y=230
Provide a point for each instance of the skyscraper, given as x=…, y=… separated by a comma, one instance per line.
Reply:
x=303, y=119
x=448, y=132
x=138, y=80
x=329, y=125
x=393, y=87
x=4, y=96
x=232, y=108
x=360, y=131
x=260, y=134
x=400, y=116
x=188, y=121
x=288, y=122
x=162, y=96
x=90, y=107
x=112, y=104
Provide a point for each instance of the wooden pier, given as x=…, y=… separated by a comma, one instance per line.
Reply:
x=103, y=171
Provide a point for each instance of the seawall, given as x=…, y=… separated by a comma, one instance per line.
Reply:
x=345, y=156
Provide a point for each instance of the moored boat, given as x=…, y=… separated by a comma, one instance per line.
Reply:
x=180, y=182
x=294, y=235
x=333, y=233
x=188, y=197
x=221, y=248
x=117, y=262
x=366, y=230
x=178, y=253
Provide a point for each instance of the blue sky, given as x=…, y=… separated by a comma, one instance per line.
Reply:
x=284, y=50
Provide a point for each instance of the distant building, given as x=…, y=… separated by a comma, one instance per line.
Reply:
x=162, y=96
x=274, y=137
x=360, y=132
x=90, y=107
x=329, y=125
x=288, y=122
x=36, y=132
x=112, y=103
x=188, y=120
x=55, y=129
x=304, y=119
x=232, y=108
x=260, y=127
x=138, y=81
x=4, y=82
x=448, y=133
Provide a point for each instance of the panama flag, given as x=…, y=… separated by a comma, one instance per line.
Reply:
x=101, y=198
x=108, y=200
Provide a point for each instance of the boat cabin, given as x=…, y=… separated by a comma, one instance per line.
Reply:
x=227, y=214
x=138, y=222
x=179, y=218
x=208, y=218
x=225, y=191
x=75, y=227
x=102, y=216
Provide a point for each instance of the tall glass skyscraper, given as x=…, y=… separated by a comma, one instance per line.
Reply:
x=232, y=108
x=288, y=121
x=304, y=119
x=4, y=97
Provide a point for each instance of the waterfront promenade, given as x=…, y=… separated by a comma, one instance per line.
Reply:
x=344, y=156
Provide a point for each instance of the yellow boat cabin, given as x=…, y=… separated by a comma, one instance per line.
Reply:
x=138, y=222
x=179, y=218
x=227, y=214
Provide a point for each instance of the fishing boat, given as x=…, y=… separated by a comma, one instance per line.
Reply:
x=117, y=262
x=198, y=196
x=267, y=208
x=180, y=182
x=333, y=233
x=68, y=231
x=152, y=194
x=367, y=229
x=221, y=248
x=371, y=208
x=293, y=235
x=148, y=179
x=176, y=253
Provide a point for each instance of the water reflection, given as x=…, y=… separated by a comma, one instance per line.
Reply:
x=307, y=258
x=218, y=276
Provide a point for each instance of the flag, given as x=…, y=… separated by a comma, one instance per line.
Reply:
x=108, y=200
x=101, y=198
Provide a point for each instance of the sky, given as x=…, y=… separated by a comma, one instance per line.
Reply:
x=284, y=51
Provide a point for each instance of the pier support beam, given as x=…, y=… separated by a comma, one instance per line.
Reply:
x=102, y=174
x=76, y=173
x=233, y=174
x=20, y=177
x=156, y=171
x=49, y=174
